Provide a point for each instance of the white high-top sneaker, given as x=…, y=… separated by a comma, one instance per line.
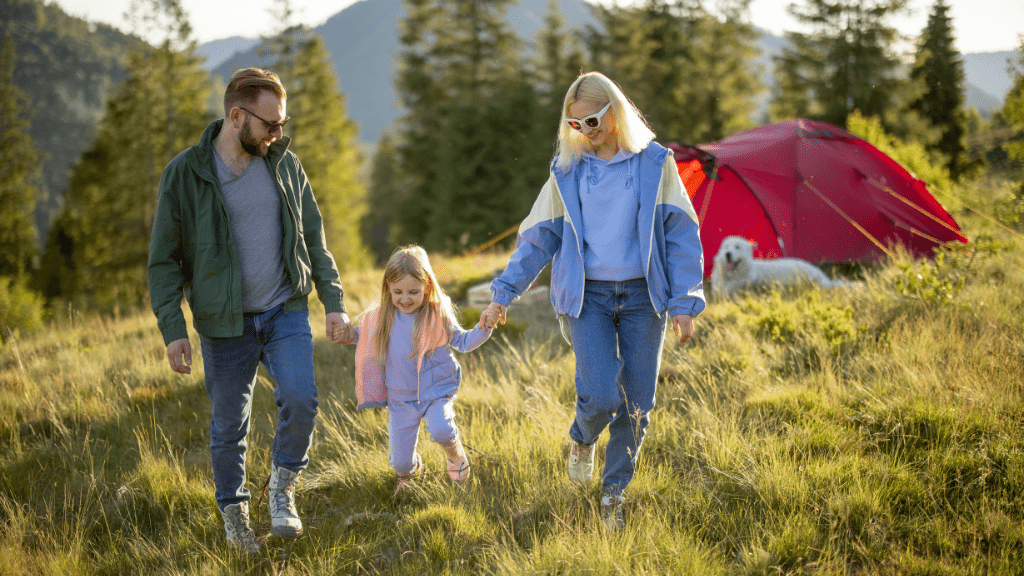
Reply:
x=284, y=520
x=581, y=463
x=236, y=526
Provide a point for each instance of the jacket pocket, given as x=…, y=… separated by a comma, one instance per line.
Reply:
x=211, y=277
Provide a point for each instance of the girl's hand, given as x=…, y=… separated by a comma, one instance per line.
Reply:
x=492, y=316
x=339, y=329
x=345, y=334
x=682, y=325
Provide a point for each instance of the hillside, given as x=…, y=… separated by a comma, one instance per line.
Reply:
x=873, y=431
x=363, y=42
x=68, y=68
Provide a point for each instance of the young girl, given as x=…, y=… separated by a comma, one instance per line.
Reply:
x=404, y=361
x=618, y=228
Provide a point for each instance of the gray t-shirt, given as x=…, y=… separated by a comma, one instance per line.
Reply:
x=254, y=214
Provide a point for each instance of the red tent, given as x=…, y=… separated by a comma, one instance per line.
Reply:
x=809, y=190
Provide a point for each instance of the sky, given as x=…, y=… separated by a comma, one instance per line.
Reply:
x=979, y=25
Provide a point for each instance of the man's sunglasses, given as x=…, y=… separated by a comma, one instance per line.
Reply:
x=592, y=121
x=271, y=126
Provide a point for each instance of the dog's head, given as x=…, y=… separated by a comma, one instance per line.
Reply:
x=734, y=254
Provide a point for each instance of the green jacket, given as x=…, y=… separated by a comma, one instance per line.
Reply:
x=192, y=252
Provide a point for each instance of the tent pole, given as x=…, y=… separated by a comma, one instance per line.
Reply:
x=885, y=188
x=848, y=219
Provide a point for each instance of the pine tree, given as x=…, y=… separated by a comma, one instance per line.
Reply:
x=492, y=161
x=378, y=228
x=324, y=140
x=18, y=168
x=1013, y=110
x=98, y=247
x=557, y=62
x=458, y=57
x=687, y=69
x=939, y=68
x=846, y=63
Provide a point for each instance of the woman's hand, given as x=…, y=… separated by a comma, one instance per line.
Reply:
x=492, y=316
x=682, y=325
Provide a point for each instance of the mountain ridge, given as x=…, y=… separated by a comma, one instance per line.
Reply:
x=363, y=42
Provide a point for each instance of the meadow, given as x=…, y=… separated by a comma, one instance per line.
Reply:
x=875, y=430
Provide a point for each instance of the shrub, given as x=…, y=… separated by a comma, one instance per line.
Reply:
x=21, y=309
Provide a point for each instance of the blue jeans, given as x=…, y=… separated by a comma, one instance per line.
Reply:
x=283, y=342
x=618, y=340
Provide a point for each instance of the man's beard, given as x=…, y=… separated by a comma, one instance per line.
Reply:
x=250, y=144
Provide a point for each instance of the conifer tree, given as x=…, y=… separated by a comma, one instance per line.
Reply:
x=557, y=62
x=98, y=247
x=845, y=63
x=492, y=161
x=386, y=186
x=939, y=68
x=18, y=168
x=1013, y=109
x=687, y=69
x=458, y=58
x=324, y=140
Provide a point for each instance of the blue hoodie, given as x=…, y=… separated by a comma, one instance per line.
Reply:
x=670, y=247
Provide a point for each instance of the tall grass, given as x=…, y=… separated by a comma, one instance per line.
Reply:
x=875, y=430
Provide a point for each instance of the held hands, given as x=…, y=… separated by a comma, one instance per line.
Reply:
x=179, y=354
x=492, y=316
x=682, y=325
x=339, y=329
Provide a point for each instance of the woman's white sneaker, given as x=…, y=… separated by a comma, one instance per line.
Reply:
x=581, y=463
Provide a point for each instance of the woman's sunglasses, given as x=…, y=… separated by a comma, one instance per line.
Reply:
x=592, y=121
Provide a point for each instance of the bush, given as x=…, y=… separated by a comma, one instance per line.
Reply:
x=21, y=309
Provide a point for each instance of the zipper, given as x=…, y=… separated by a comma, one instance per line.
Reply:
x=579, y=250
x=650, y=240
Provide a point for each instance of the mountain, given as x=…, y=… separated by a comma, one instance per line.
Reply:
x=68, y=68
x=363, y=42
x=217, y=51
x=988, y=71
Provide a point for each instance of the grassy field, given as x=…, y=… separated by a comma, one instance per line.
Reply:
x=868, y=431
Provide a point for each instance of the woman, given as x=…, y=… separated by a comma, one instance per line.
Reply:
x=621, y=234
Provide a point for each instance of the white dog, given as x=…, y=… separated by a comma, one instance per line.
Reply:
x=736, y=268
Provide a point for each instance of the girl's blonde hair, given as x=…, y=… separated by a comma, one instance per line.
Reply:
x=632, y=131
x=412, y=261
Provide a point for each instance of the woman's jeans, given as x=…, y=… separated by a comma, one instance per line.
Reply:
x=618, y=340
x=283, y=342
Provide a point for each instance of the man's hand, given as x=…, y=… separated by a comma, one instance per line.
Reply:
x=339, y=329
x=177, y=351
x=682, y=325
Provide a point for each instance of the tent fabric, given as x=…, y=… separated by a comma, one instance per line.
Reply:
x=809, y=190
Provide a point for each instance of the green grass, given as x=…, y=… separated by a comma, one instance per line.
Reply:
x=867, y=431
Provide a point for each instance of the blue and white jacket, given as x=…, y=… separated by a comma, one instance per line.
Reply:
x=670, y=248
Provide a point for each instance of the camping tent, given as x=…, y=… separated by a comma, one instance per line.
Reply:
x=809, y=190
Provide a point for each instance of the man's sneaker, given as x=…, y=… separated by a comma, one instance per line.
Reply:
x=581, y=463
x=284, y=520
x=611, y=511
x=406, y=480
x=458, y=464
x=236, y=525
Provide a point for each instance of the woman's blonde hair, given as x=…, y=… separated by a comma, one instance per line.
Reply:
x=632, y=131
x=412, y=261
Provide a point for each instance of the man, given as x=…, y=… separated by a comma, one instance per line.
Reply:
x=238, y=233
